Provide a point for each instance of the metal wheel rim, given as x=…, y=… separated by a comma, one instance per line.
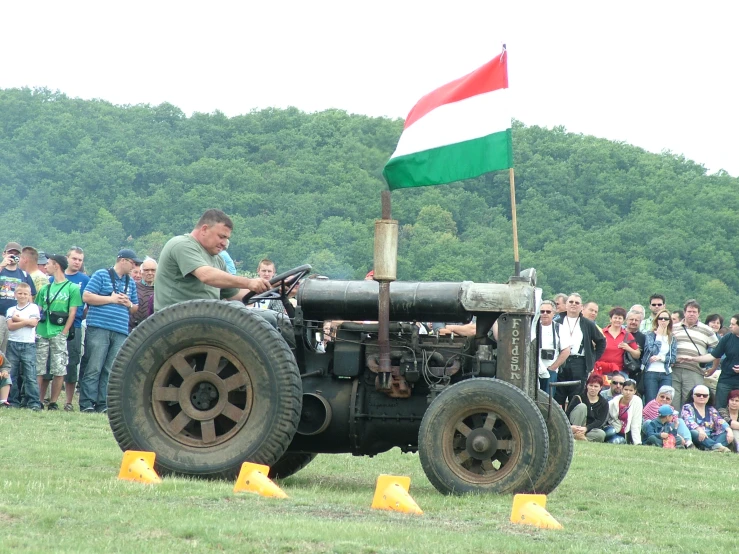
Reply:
x=182, y=382
x=474, y=422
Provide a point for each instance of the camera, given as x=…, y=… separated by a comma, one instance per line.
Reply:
x=547, y=354
x=15, y=259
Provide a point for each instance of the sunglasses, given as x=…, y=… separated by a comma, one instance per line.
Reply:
x=619, y=383
x=545, y=311
x=573, y=302
x=700, y=395
x=663, y=319
x=655, y=305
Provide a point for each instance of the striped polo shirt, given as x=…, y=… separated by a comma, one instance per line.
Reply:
x=113, y=317
x=704, y=338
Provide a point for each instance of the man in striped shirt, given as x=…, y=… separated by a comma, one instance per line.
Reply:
x=111, y=296
x=693, y=339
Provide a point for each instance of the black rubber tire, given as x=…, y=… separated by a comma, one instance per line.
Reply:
x=290, y=464
x=161, y=390
x=520, y=460
x=561, y=445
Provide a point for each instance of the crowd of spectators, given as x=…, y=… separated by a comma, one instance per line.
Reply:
x=665, y=380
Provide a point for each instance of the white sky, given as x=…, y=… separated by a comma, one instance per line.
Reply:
x=660, y=75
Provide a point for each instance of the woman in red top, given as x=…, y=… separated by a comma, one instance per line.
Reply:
x=617, y=340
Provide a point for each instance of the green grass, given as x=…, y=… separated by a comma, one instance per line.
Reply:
x=60, y=494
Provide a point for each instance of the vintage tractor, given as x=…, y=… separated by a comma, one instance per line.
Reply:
x=208, y=385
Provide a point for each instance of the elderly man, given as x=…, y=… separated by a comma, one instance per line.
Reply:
x=587, y=345
x=190, y=267
x=553, y=351
x=633, y=321
x=693, y=340
x=145, y=291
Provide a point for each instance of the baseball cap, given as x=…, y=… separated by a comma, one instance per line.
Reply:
x=128, y=253
x=13, y=246
x=42, y=258
x=61, y=260
x=665, y=410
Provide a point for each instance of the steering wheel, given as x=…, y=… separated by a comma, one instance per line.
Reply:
x=282, y=285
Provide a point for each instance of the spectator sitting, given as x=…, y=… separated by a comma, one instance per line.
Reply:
x=650, y=412
x=21, y=353
x=616, y=336
x=731, y=416
x=708, y=429
x=660, y=353
x=5, y=384
x=616, y=387
x=658, y=429
x=588, y=413
x=625, y=416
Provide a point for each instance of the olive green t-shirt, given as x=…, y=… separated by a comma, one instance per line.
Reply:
x=174, y=281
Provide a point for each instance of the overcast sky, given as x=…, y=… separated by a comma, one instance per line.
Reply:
x=660, y=75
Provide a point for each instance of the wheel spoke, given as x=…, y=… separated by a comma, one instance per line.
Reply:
x=235, y=381
x=462, y=428
x=182, y=366
x=166, y=394
x=208, y=430
x=462, y=457
x=211, y=362
x=232, y=412
x=490, y=421
x=179, y=423
x=505, y=445
x=487, y=465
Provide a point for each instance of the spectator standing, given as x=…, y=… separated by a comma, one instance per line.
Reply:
x=58, y=302
x=42, y=261
x=727, y=353
x=111, y=296
x=617, y=340
x=590, y=310
x=587, y=344
x=136, y=274
x=145, y=291
x=560, y=301
x=21, y=354
x=677, y=316
x=660, y=354
x=10, y=276
x=656, y=304
x=29, y=263
x=230, y=265
x=693, y=339
x=74, y=274
x=552, y=351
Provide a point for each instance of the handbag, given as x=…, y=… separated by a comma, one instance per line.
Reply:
x=631, y=364
x=669, y=442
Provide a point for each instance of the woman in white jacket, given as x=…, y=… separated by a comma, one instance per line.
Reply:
x=625, y=416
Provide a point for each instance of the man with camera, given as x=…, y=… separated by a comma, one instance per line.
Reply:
x=59, y=302
x=10, y=276
x=553, y=351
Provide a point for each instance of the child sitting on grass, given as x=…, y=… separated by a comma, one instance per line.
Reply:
x=5, y=383
x=659, y=429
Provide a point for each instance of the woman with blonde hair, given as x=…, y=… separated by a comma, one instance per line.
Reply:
x=660, y=353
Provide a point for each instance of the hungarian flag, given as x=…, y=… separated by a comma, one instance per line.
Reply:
x=459, y=131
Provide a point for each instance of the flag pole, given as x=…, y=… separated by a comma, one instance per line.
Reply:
x=516, y=262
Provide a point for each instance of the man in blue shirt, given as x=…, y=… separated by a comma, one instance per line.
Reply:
x=111, y=297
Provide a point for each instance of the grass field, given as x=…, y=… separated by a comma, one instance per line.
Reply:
x=60, y=494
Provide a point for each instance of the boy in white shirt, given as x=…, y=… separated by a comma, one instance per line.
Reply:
x=22, y=320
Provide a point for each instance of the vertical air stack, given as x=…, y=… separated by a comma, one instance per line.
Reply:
x=386, y=263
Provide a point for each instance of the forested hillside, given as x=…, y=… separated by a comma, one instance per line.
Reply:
x=606, y=219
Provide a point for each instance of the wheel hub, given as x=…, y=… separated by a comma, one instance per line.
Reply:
x=481, y=444
x=204, y=396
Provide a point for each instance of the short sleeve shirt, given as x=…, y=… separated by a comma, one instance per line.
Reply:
x=8, y=281
x=113, y=317
x=62, y=297
x=728, y=346
x=175, y=281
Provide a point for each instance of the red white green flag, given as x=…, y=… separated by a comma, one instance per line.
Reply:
x=459, y=131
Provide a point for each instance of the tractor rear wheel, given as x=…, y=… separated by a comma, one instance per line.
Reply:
x=561, y=445
x=290, y=464
x=483, y=436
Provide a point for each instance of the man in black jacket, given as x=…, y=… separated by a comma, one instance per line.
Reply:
x=587, y=346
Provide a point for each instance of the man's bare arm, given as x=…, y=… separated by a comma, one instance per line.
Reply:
x=224, y=280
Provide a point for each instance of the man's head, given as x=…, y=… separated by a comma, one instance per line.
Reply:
x=617, y=384
x=574, y=305
x=148, y=271
x=23, y=293
x=29, y=259
x=734, y=324
x=75, y=257
x=639, y=309
x=677, y=316
x=546, y=312
x=590, y=310
x=633, y=321
x=136, y=274
x=42, y=261
x=56, y=264
x=213, y=231
x=560, y=301
x=656, y=302
x=12, y=253
x=127, y=261
x=692, y=312
x=266, y=269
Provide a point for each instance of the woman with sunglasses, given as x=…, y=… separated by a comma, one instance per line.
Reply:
x=651, y=411
x=731, y=416
x=660, y=352
x=707, y=428
x=625, y=416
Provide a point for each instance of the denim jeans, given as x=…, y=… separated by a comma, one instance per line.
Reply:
x=613, y=437
x=653, y=380
x=722, y=394
x=22, y=360
x=710, y=442
x=101, y=347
